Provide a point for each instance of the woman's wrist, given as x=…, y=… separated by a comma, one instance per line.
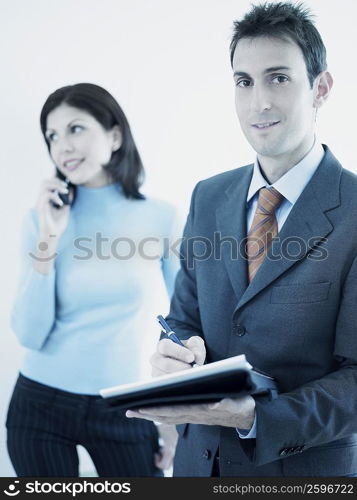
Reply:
x=45, y=254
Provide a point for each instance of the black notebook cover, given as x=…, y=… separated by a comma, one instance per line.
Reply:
x=232, y=377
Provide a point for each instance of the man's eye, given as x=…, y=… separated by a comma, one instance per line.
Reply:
x=280, y=79
x=243, y=83
x=75, y=129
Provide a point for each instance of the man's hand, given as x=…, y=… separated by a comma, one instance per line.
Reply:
x=170, y=357
x=238, y=412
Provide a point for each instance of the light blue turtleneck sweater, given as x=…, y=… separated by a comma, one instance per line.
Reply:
x=84, y=323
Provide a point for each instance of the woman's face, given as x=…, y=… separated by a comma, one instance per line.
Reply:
x=80, y=146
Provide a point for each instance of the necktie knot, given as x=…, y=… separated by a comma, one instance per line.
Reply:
x=269, y=200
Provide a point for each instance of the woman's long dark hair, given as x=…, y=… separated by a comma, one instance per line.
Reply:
x=125, y=165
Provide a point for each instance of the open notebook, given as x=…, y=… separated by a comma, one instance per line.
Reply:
x=231, y=377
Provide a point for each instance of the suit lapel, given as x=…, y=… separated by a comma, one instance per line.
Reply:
x=306, y=225
x=231, y=218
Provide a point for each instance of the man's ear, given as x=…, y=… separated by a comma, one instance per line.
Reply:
x=322, y=86
x=117, y=138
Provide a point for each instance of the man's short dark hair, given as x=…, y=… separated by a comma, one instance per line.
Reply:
x=286, y=21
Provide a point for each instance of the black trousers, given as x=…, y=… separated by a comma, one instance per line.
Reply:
x=45, y=424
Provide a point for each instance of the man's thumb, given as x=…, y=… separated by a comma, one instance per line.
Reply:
x=197, y=346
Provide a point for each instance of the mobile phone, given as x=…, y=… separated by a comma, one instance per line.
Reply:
x=63, y=196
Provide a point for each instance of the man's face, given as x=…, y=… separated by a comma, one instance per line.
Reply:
x=274, y=101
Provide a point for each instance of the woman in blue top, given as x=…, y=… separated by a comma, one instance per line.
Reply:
x=95, y=251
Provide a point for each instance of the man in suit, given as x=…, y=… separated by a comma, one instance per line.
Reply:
x=288, y=302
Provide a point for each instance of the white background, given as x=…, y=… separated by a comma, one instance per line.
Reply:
x=167, y=63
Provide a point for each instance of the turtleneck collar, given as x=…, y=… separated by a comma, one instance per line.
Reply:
x=98, y=197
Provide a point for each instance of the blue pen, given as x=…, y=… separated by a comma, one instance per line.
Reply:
x=171, y=334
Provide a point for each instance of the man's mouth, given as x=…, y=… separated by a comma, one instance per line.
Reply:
x=72, y=164
x=264, y=125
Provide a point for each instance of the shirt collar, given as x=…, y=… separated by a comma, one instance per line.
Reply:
x=293, y=182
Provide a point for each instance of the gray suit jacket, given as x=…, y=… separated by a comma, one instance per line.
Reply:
x=297, y=320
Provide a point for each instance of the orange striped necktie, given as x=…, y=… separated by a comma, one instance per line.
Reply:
x=264, y=228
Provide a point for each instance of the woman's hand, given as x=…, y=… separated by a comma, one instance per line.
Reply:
x=168, y=440
x=53, y=221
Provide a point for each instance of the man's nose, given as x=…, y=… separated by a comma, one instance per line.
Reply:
x=261, y=99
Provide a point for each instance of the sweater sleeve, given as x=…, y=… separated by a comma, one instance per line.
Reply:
x=33, y=311
x=170, y=262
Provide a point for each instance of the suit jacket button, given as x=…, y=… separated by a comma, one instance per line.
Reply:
x=206, y=454
x=239, y=330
